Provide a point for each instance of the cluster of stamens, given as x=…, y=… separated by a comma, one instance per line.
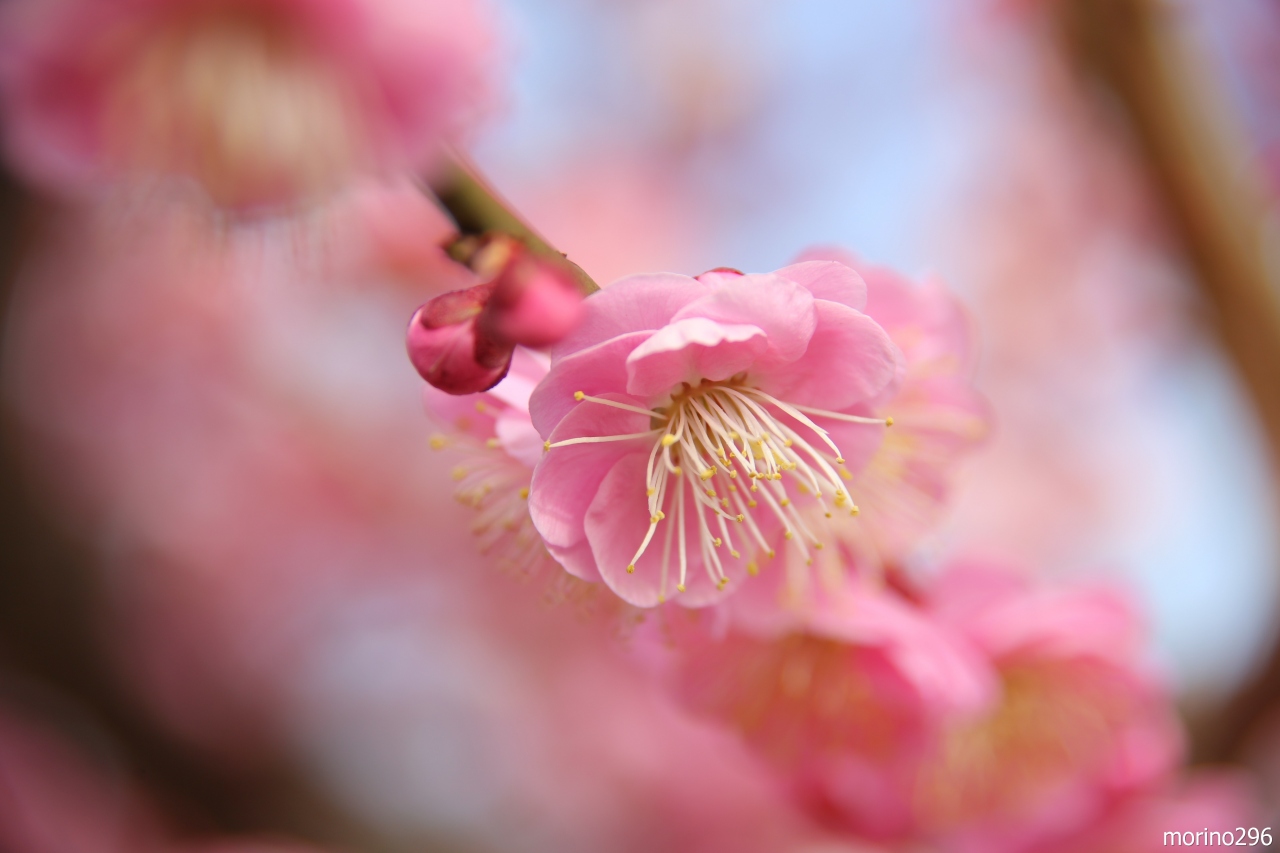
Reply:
x=720, y=451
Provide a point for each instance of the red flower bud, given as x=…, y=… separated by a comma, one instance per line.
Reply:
x=535, y=302
x=449, y=347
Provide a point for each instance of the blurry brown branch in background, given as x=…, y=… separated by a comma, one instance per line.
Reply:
x=1138, y=49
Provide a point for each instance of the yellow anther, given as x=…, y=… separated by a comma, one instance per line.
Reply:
x=711, y=493
x=839, y=460
x=677, y=471
x=772, y=553
x=752, y=504
x=492, y=443
x=721, y=583
x=668, y=440
x=733, y=475
x=753, y=569
x=679, y=587
x=732, y=487
x=854, y=510
x=845, y=475
x=481, y=407
x=788, y=536
x=741, y=517
x=653, y=519
x=717, y=542
x=579, y=396
x=888, y=421
x=661, y=515
x=631, y=569
x=458, y=473
x=546, y=445
x=650, y=492
x=734, y=435
x=827, y=514
x=439, y=442
x=708, y=473
x=724, y=502
x=818, y=546
x=788, y=443
x=785, y=502
x=734, y=554
x=524, y=493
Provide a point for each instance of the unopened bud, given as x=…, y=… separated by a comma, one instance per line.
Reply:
x=535, y=301
x=450, y=348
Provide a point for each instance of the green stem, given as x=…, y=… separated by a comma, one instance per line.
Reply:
x=478, y=210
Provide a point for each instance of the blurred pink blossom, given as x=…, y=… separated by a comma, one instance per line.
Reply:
x=261, y=101
x=731, y=369
x=1082, y=720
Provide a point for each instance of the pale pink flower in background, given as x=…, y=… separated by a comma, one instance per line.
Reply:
x=1082, y=720
x=1201, y=801
x=689, y=401
x=261, y=102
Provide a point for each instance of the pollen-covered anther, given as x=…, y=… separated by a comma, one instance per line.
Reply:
x=439, y=442
x=524, y=493
x=492, y=443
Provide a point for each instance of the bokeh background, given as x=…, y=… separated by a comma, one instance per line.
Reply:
x=228, y=569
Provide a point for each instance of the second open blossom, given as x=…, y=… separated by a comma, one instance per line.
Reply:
x=685, y=413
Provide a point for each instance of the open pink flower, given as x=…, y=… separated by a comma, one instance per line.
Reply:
x=261, y=101
x=690, y=401
x=1080, y=723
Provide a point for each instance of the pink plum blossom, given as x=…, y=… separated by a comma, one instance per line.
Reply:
x=1081, y=721
x=690, y=401
x=260, y=101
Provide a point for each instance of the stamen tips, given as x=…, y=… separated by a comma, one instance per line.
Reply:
x=679, y=587
x=668, y=440
x=579, y=396
x=888, y=421
x=753, y=569
x=631, y=568
x=524, y=493
x=546, y=445
x=788, y=536
x=439, y=442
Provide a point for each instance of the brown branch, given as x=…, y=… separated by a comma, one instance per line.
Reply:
x=477, y=209
x=1212, y=202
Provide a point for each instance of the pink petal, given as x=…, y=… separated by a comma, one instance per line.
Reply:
x=782, y=308
x=597, y=370
x=633, y=304
x=829, y=280
x=567, y=478
x=850, y=359
x=616, y=523
x=691, y=350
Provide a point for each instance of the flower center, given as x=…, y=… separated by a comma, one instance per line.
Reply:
x=719, y=454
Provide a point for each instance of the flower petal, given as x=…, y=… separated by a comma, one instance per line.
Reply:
x=597, y=370
x=567, y=478
x=849, y=359
x=780, y=307
x=689, y=351
x=829, y=280
x=633, y=304
x=617, y=522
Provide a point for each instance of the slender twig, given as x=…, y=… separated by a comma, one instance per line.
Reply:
x=478, y=210
x=1214, y=206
